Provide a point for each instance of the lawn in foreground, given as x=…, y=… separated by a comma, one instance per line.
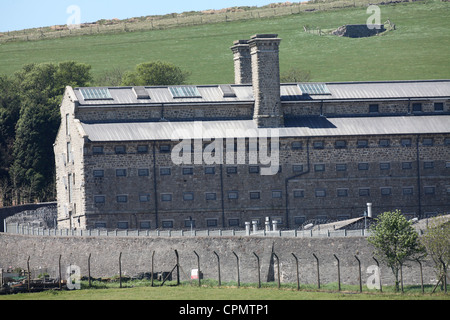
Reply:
x=207, y=292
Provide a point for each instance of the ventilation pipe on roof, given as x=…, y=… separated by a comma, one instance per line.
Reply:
x=369, y=210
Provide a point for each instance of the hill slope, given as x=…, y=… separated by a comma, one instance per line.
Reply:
x=418, y=49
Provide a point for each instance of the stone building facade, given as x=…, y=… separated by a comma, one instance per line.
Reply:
x=176, y=156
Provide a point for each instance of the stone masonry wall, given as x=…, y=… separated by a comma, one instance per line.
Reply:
x=137, y=257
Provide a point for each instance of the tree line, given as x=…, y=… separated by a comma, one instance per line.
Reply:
x=30, y=118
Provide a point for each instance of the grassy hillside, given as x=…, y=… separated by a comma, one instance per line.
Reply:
x=418, y=49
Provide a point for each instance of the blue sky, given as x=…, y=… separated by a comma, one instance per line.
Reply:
x=23, y=14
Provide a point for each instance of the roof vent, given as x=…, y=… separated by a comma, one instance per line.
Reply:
x=227, y=91
x=141, y=93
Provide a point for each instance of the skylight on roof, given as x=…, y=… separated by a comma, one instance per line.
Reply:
x=96, y=94
x=314, y=89
x=185, y=92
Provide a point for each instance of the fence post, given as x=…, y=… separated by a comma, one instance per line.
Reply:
x=359, y=269
x=218, y=267
x=198, y=266
x=29, y=275
x=120, y=269
x=259, y=270
x=339, y=272
x=318, y=274
x=89, y=269
x=153, y=255
x=298, y=275
x=59, y=268
x=178, y=267
x=421, y=274
x=238, y=275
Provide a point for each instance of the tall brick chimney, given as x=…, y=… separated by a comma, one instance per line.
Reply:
x=242, y=62
x=264, y=50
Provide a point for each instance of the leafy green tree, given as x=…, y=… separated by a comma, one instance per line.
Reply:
x=437, y=242
x=154, y=74
x=41, y=89
x=395, y=241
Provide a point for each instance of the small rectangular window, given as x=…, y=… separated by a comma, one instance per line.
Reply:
x=253, y=169
x=277, y=194
x=362, y=143
x=384, y=143
x=99, y=199
x=319, y=145
x=297, y=145
x=145, y=225
x=122, y=199
x=299, y=193
x=211, y=196
x=211, y=223
x=364, y=192
x=428, y=165
x=122, y=225
x=188, y=196
x=406, y=142
x=233, y=195
x=297, y=168
x=165, y=148
x=233, y=222
x=188, y=171
x=166, y=197
x=121, y=172
x=341, y=144
x=167, y=224
x=439, y=107
x=320, y=193
x=120, y=150
x=143, y=172
x=342, y=192
x=408, y=191
x=231, y=170
x=363, y=166
x=374, y=108
x=417, y=107
x=319, y=167
x=99, y=173
x=142, y=149
x=429, y=190
x=97, y=150
x=427, y=141
x=210, y=170
x=406, y=165
x=385, y=166
x=144, y=198
x=165, y=171
x=386, y=191
x=255, y=195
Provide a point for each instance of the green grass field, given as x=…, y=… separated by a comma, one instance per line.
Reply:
x=418, y=49
x=142, y=290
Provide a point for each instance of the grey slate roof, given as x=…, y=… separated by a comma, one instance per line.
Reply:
x=302, y=127
x=426, y=89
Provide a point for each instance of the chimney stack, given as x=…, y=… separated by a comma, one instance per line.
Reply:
x=265, y=65
x=242, y=62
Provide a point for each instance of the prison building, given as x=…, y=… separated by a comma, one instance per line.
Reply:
x=217, y=156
